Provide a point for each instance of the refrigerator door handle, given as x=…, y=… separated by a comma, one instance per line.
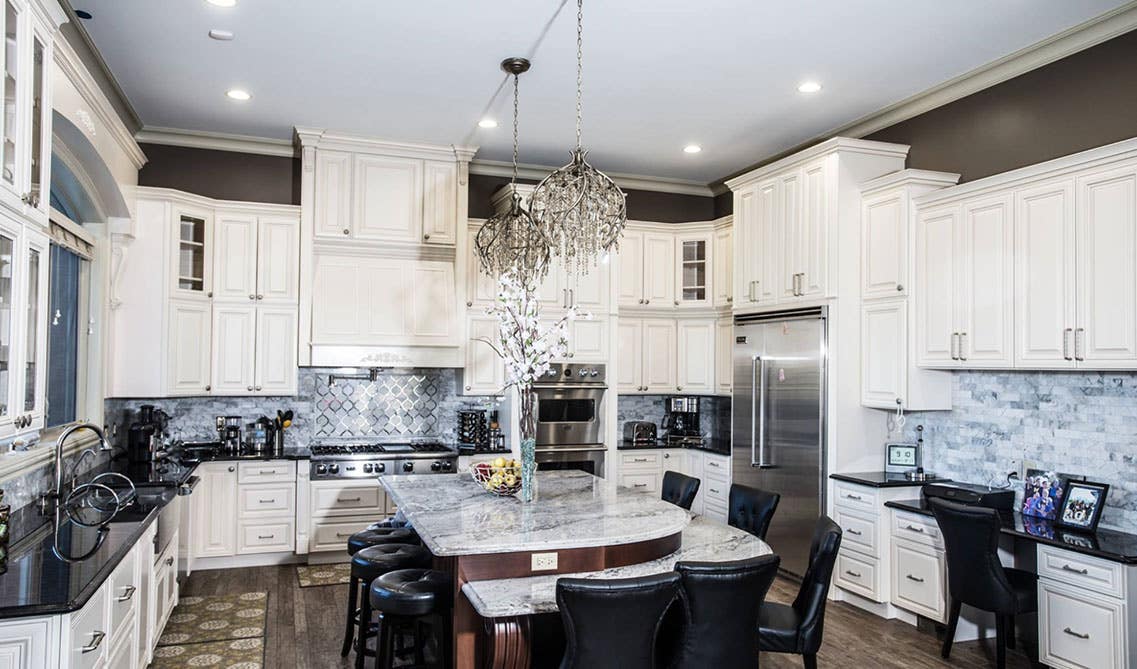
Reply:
x=758, y=406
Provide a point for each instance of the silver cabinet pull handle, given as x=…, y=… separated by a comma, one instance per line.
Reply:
x=1076, y=634
x=170, y=561
x=127, y=594
x=850, y=495
x=639, y=459
x=910, y=577
x=915, y=529
x=341, y=535
x=1080, y=344
x=758, y=412
x=639, y=485
x=265, y=472
x=347, y=499
x=572, y=297
x=266, y=536
x=954, y=346
x=715, y=490
x=268, y=501
x=962, y=345
x=1083, y=572
x=853, y=532
x=852, y=573
x=96, y=640
x=1066, y=344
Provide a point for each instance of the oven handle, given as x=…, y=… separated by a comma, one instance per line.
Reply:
x=571, y=449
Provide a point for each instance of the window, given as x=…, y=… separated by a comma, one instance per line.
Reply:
x=68, y=316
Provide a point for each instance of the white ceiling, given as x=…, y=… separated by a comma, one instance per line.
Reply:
x=659, y=74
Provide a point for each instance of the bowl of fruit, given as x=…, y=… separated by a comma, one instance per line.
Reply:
x=501, y=476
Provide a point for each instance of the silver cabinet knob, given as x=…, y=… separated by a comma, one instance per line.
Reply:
x=208, y=388
x=209, y=294
x=641, y=300
x=899, y=288
x=232, y=469
x=249, y=388
x=252, y=296
x=258, y=388
x=679, y=387
x=676, y=302
x=260, y=297
x=647, y=301
x=426, y=238
x=346, y=231
x=469, y=304
x=467, y=387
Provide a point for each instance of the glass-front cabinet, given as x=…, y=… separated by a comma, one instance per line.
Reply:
x=23, y=328
x=194, y=239
x=693, y=275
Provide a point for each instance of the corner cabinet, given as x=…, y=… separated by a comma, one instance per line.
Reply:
x=225, y=319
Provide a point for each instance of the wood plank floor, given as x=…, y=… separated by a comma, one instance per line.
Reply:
x=305, y=627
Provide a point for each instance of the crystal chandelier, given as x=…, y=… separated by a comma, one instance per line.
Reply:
x=580, y=211
x=510, y=240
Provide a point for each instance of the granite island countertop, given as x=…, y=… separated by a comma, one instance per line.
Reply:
x=455, y=516
x=703, y=540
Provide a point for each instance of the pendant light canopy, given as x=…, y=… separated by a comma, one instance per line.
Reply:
x=580, y=211
x=510, y=241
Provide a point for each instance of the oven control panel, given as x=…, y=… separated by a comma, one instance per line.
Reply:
x=571, y=373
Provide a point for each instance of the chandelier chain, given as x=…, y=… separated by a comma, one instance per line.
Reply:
x=513, y=181
x=579, y=67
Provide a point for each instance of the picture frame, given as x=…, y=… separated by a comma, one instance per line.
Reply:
x=1082, y=504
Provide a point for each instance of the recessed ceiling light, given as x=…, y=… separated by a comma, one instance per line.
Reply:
x=692, y=148
x=487, y=123
x=238, y=94
x=83, y=14
x=808, y=87
x=221, y=35
x=222, y=3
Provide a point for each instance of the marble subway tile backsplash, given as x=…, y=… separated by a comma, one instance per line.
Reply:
x=714, y=413
x=1081, y=423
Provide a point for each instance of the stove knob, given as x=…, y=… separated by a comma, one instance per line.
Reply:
x=408, y=466
x=595, y=373
x=551, y=373
x=333, y=468
x=380, y=467
x=583, y=373
x=321, y=469
x=447, y=466
x=436, y=466
x=367, y=468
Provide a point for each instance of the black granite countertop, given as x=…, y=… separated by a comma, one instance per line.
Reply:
x=197, y=455
x=55, y=564
x=709, y=445
x=1107, y=544
x=884, y=479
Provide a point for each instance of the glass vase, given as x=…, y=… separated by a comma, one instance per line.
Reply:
x=5, y=530
x=528, y=424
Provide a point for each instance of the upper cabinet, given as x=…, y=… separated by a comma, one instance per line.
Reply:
x=722, y=279
x=662, y=265
x=1032, y=269
x=788, y=219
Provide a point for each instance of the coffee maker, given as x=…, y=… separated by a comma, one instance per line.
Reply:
x=229, y=433
x=682, y=419
x=144, y=437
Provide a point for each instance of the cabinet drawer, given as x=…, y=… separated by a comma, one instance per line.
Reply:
x=714, y=511
x=265, y=536
x=645, y=460
x=716, y=468
x=1078, y=629
x=331, y=536
x=122, y=590
x=1081, y=571
x=914, y=527
x=120, y=654
x=90, y=636
x=275, y=471
x=918, y=580
x=855, y=497
x=860, y=532
x=266, y=500
x=857, y=573
x=349, y=499
x=716, y=492
x=641, y=482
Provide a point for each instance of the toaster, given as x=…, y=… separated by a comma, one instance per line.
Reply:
x=640, y=432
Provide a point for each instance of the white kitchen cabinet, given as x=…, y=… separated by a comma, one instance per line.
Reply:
x=484, y=371
x=646, y=272
x=338, y=509
x=813, y=239
x=215, y=510
x=481, y=288
x=792, y=236
x=936, y=262
x=884, y=374
x=234, y=341
x=25, y=643
x=244, y=508
x=588, y=340
x=1045, y=275
x=884, y=244
x=630, y=273
x=332, y=213
x=235, y=260
x=758, y=236
x=387, y=198
x=659, y=355
x=696, y=356
x=440, y=203
x=278, y=247
x=275, y=347
x=722, y=280
x=724, y=356
x=188, y=353
x=192, y=269
x=693, y=278
x=629, y=355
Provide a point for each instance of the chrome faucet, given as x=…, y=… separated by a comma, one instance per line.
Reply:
x=57, y=493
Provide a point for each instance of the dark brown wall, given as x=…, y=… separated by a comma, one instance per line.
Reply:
x=642, y=205
x=1082, y=101
x=225, y=175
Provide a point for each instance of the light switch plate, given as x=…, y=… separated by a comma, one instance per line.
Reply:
x=544, y=561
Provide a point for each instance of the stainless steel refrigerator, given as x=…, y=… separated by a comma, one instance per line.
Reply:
x=778, y=422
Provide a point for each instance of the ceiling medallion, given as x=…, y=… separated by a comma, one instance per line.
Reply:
x=580, y=211
x=510, y=241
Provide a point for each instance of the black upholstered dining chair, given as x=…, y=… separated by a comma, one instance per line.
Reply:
x=798, y=627
x=723, y=600
x=680, y=489
x=751, y=509
x=614, y=622
x=977, y=578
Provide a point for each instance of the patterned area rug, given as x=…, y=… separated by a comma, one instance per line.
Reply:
x=232, y=654
x=216, y=618
x=324, y=574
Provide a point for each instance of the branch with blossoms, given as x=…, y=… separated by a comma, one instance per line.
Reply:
x=527, y=348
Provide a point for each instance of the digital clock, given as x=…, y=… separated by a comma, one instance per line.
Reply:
x=902, y=457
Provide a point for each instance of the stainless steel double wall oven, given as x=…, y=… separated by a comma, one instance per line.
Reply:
x=570, y=418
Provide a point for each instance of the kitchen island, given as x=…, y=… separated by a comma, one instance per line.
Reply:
x=577, y=525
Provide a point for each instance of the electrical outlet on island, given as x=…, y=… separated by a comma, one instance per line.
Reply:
x=544, y=561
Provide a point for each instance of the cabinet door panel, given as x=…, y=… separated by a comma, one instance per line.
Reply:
x=432, y=302
x=215, y=511
x=278, y=259
x=234, y=338
x=1107, y=269
x=884, y=354
x=724, y=356
x=789, y=224
x=884, y=240
x=388, y=198
x=986, y=309
x=480, y=287
x=629, y=355
x=936, y=260
x=440, y=203
x=188, y=357
x=332, y=213
x=814, y=236
x=659, y=269
x=235, y=257
x=659, y=355
x=388, y=291
x=696, y=359
x=588, y=340
x=276, y=351
x=767, y=247
x=693, y=270
x=484, y=372
x=336, y=296
x=722, y=262
x=630, y=266
x=745, y=242
x=590, y=292
x=1044, y=275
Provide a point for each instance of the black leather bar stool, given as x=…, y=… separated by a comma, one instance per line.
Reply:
x=798, y=628
x=752, y=509
x=362, y=541
x=367, y=565
x=679, y=489
x=977, y=578
x=724, y=599
x=381, y=535
x=389, y=522
x=614, y=622
x=412, y=597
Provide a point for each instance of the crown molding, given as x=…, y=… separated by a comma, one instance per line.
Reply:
x=910, y=176
x=329, y=139
x=80, y=77
x=847, y=144
x=216, y=141
x=500, y=168
x=195, y=200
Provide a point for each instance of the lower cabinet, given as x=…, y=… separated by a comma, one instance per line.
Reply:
x=643, y=470
x=24, y=643
x=919, y=568
x=244, y=508
x=339, y=509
